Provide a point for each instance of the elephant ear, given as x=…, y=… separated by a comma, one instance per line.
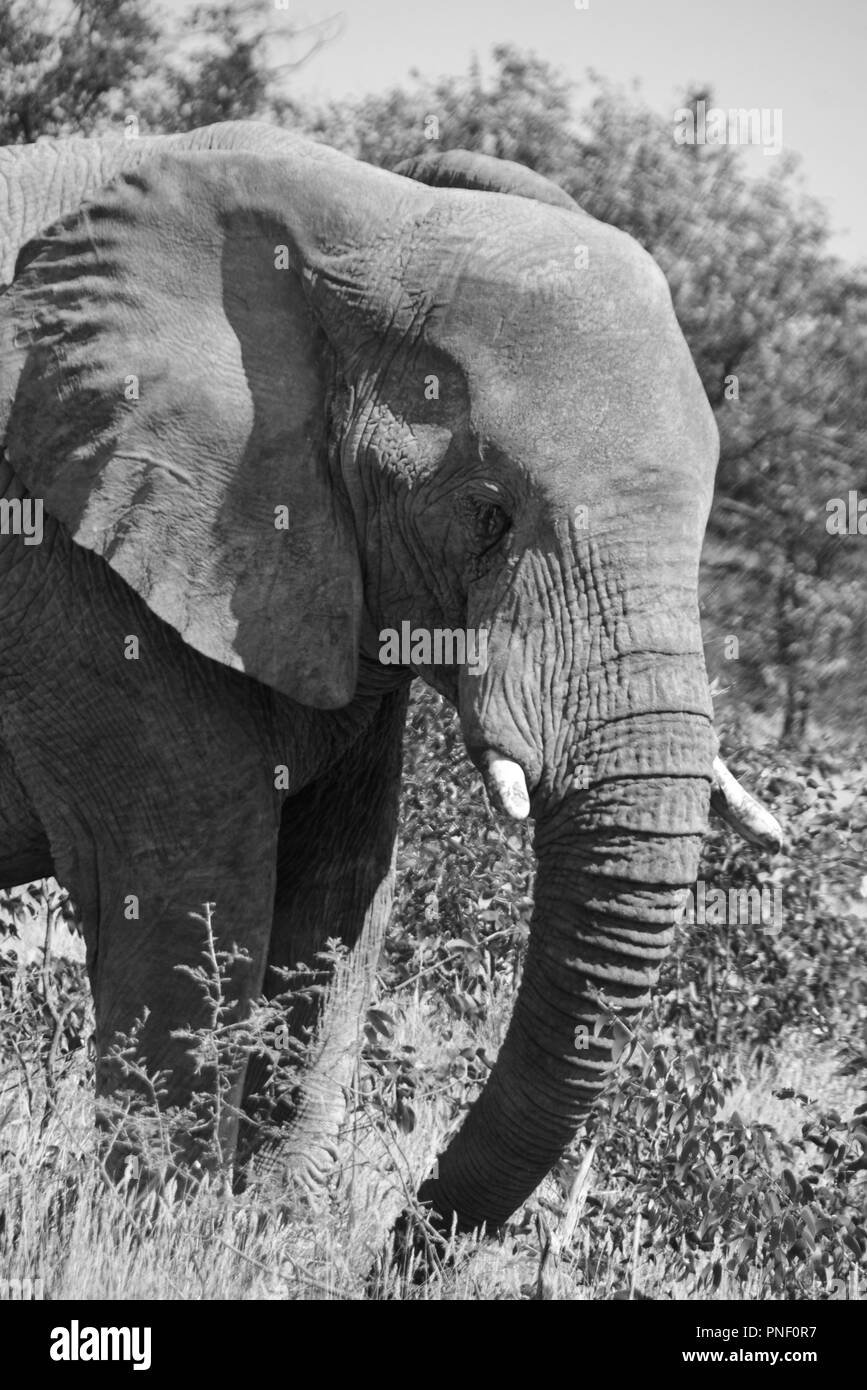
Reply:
x=163, y=380
x=485, y=174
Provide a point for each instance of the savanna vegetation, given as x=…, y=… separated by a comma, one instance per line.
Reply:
x=728, y=1158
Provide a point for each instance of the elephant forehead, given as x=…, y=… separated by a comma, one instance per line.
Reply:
x=540, y=273
x=565, y=333
x=614, y=402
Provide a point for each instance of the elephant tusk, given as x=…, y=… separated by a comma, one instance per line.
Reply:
x=742, y=812
x=506, y=786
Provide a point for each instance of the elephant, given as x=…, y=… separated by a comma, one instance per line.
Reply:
x=275, y=403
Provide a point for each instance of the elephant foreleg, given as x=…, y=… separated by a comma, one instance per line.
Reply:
x=155, y=788
x=178, y=953
x=335, y=880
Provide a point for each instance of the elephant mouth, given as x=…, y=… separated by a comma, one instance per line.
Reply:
x=506, y=785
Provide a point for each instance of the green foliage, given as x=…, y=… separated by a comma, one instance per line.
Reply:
x=224, y=76
x=78, y=67
x=524, y=114
x=66, y=71
x=45, y=1016
x=712, y=1194
x=466, y=883
x=740, y=986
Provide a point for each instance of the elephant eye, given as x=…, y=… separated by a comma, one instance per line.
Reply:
x=490, y=523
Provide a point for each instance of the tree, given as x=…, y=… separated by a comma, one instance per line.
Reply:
x=222, y=67
x=80, y=66
x=523, y=113
x=68, y=73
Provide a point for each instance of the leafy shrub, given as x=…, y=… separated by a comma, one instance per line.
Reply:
x=712, y=1194
x=741, y=985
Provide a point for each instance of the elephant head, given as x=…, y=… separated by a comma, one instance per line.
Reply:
x=468, y=405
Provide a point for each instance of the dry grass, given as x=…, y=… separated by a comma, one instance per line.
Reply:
x=85, y=1238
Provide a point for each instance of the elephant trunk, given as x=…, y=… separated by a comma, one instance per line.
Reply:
x=614, y=861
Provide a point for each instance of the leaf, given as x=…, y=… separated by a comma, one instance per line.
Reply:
x=380, y=1022
x=791, y=1183
x=406, y=1117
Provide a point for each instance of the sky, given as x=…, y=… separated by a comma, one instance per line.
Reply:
x=806, y=57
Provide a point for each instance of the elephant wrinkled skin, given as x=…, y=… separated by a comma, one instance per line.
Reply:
x=275, y=401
